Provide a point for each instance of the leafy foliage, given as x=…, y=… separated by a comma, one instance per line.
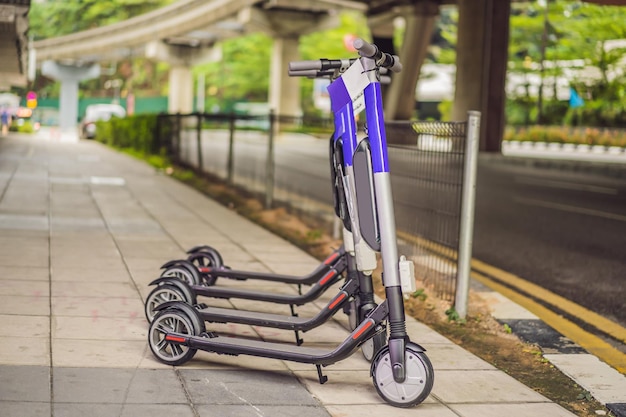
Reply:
x=61, y=17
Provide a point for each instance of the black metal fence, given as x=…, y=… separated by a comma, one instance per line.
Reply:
x=291, y=169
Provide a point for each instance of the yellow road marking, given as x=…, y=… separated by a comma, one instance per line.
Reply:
x=483, y=272
x=599, y=322
x=586, y=340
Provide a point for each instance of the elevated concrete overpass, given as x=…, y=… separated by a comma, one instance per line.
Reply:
x=185, y=32
x=13, y=43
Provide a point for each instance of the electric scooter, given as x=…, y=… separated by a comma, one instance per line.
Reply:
x=355, y=297
x=401, y=371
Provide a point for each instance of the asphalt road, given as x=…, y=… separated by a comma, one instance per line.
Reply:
x=564, y=231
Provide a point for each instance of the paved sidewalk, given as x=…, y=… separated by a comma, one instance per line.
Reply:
x=83, y=230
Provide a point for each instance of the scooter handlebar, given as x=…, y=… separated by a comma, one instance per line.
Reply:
x=383, y=59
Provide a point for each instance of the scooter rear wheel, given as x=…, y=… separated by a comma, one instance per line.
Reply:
x=203, y=259
x=417, y=385
x=370, y=347
x=172, y=320
x=182, y=273
x=159, y=295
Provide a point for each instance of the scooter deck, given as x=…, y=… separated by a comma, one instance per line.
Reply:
x=314, y=292
x=279, y=321
x=336, y=261
x=253, y=347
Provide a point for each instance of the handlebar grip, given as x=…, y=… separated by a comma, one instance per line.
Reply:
x=303, y=73
x=365, y=49
x=397, y=65
x=305, y=65
x=382, y=59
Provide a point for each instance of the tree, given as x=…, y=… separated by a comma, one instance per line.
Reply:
x=49, y=19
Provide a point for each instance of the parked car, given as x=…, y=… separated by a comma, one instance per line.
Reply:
x=98, y=112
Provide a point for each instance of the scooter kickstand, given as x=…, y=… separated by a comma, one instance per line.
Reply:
x=299, y=341
x=322, y=378
x=293, y=310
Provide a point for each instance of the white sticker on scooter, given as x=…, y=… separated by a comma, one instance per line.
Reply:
x=355, y=79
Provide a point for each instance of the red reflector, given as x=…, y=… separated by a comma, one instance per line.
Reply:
x=339, y=299
x=362, y=329
x=204, y=270
x=327, y=277
x=331, y=258
x=178, y=339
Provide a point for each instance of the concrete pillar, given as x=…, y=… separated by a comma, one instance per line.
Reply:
x=420, y=22
x=181, y=58
x=180, y=95
x=69, y=76
x=286, y=27
x=284, y=91
x=482, y=54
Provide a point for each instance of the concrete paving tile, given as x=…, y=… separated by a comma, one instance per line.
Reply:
x=17, y=325
x=453, y=357
x=77, y=222
x=481, y=386
x=98, y=271
x=24, y=383
x=427, y=409
x=25, y=351
x=22, y=221
x=155, y=386
x=253, y=410
x=33, y=289
x=100, y=328
x=24, y=273
x=502, y=308
x=93, y=289
x=235, y=387
x=85, y=259
x=24, y=305
x=210, y=361
x=510, y=410
x=422, y=334
x=90, y=409
x=149, y=410
x=123, y=307
x=96, y=240
x=98, y=353
x=605, y=383
x=343, y=387
x=91, y=385
x=24, y=408
x=13, y=251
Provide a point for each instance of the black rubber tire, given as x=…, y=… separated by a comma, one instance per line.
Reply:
x=159, y=295
x=370, y=348
x=170, y=320
x=184, y=273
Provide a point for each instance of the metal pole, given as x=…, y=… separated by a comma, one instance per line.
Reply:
x=231, y=148
x=468, y=198
x=269, y=168
x=199, y=140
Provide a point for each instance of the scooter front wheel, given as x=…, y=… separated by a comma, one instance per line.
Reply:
x=417, y=385
x=167, y=321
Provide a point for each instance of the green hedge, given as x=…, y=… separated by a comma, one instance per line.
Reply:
x=136, y=132
x=564, y=134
